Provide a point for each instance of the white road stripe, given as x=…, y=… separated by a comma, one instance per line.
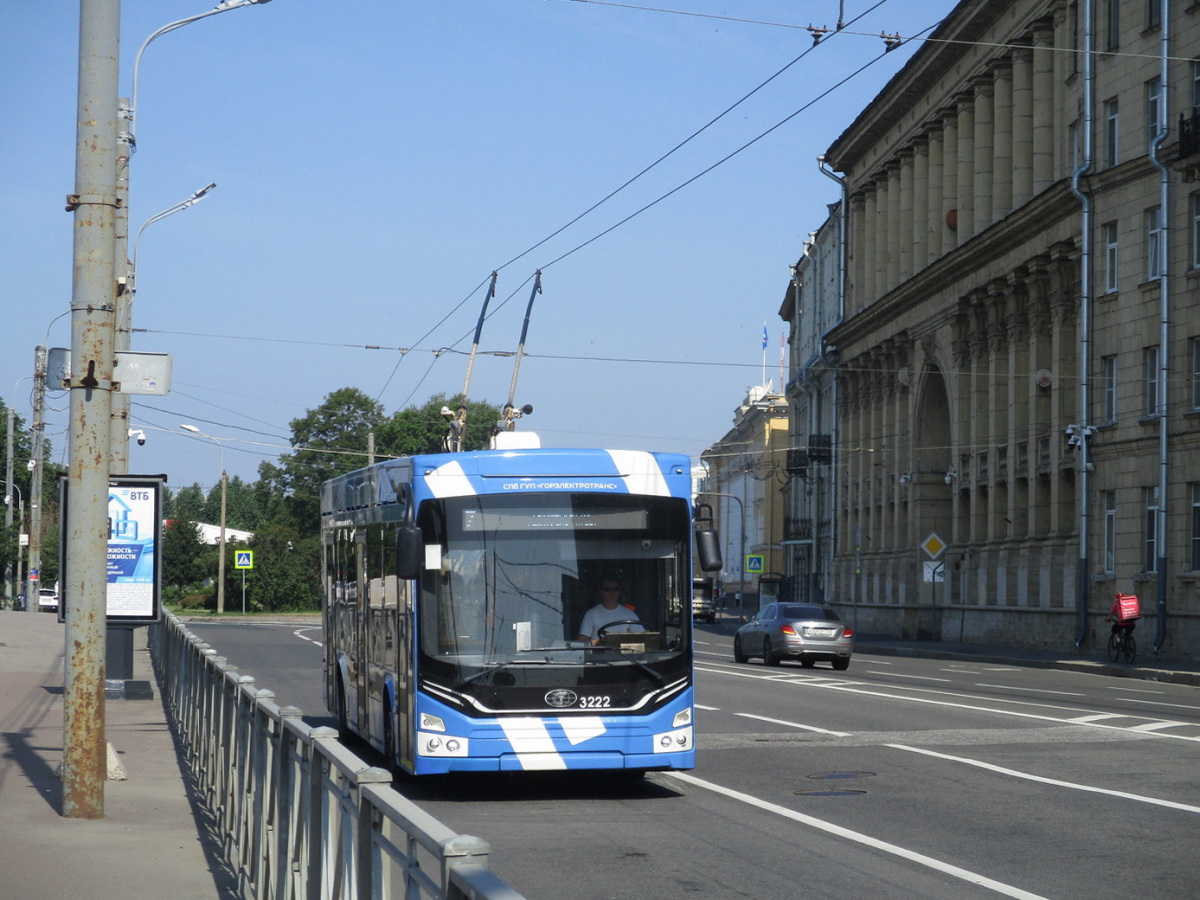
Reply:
x=1009, y=687
x=793, y=725
x=975, y=878
x=1170, y=804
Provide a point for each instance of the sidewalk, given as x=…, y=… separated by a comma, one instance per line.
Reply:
x=151, y=842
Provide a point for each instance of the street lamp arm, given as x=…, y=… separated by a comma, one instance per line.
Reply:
x=196, y=197
x=223, y=6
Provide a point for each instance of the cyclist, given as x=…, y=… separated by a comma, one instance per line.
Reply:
x=1124, y=614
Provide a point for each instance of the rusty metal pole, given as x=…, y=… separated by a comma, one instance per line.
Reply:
x=93, y=297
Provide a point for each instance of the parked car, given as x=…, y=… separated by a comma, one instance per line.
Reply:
x=803, y=631
x=48, y=600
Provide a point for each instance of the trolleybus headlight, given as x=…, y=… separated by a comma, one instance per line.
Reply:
x=432, y=723
x=664, y=741
x=682, y=718
x=452, y=746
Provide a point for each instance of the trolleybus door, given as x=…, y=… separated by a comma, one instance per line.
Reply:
x=362, y=663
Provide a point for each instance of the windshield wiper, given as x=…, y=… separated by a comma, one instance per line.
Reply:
x=492, y=668
x=626, y=657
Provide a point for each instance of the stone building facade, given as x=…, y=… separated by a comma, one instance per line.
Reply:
x=812, y=307
x=744, y=473
x=1020, y=343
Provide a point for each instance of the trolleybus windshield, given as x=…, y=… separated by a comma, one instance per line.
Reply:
x=508, y=580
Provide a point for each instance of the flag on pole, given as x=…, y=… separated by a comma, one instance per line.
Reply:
x=764, y=335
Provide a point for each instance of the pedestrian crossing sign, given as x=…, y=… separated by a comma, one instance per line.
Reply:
x=243, y=559
x=754, y=563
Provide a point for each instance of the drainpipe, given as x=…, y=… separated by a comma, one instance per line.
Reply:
x=841, y=315
x=1160, y=524
x=1085, y=310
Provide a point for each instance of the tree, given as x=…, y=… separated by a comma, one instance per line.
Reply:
x=183, y=552
x=286, y=571
x=421, y=429
x=186, y=504
x=329, y=440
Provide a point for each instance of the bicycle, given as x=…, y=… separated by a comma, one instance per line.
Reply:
x=1121, y=643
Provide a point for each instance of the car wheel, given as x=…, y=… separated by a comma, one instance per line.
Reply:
x=842, y=663
x=739, y=655
x=769, y=657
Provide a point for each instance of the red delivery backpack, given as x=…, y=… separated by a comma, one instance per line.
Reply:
x=1128, y=604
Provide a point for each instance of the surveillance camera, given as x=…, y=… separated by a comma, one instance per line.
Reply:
x=141, y=440
x=645, y=543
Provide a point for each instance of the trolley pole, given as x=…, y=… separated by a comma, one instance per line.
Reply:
x=93, y=298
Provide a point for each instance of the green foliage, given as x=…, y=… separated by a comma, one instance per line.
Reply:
x=186, y=504
x=186, y=559
x=329, y=440
x=286, y=573
x=421, y=429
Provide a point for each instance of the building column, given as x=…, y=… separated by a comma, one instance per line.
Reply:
x=920, y=207
x=966, y=169
x=1043, y=107
x=949, y=214
x=1002, y=139
x=894, y=240
x=935, y=222
x=881, y=233
x=905, y=229
x=862, y=212
x=985, y=127
x=1022, y=129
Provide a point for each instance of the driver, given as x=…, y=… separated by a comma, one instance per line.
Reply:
x=606, y=612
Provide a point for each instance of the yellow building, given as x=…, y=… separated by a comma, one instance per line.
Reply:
x=745, y=472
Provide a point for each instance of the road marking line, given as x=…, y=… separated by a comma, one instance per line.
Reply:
x=999, y=887
x=794, y=725
x=1155, y=726
x=915, y=677
x=1170, y=804
x=1009, y=687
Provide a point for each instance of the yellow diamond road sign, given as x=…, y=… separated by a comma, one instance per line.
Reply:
x=933, y=545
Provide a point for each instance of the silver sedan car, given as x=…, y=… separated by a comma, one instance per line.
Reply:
x=802, y=631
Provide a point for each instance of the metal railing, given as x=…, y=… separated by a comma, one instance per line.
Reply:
x=297, y=815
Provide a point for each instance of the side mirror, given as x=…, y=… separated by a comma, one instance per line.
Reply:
x=410, y=551
x=708, y=550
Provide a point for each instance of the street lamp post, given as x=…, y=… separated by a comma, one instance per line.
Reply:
x=224, y=487
x=126, y=145
x=8, y=517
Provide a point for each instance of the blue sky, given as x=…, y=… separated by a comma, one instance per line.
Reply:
x=375, y=161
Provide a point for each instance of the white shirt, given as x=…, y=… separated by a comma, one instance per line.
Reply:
x=597, y=617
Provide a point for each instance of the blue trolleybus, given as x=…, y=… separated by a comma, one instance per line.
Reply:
x=455, y=590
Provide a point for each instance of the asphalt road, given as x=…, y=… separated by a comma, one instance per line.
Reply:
x=902, y=777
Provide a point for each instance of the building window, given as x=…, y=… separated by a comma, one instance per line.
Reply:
x=1150, y=371
x=1111, y=133
x=1195, y=344
x=1110, y=531
x=1110, y=389
x=1108, y=234
x=1150, y=563
x=1195, y=210
x=1153, y=13
x=1196, y=526
x=1154, y=109
x=1196, y=84
x=1155, y=244
x=1112, y=24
